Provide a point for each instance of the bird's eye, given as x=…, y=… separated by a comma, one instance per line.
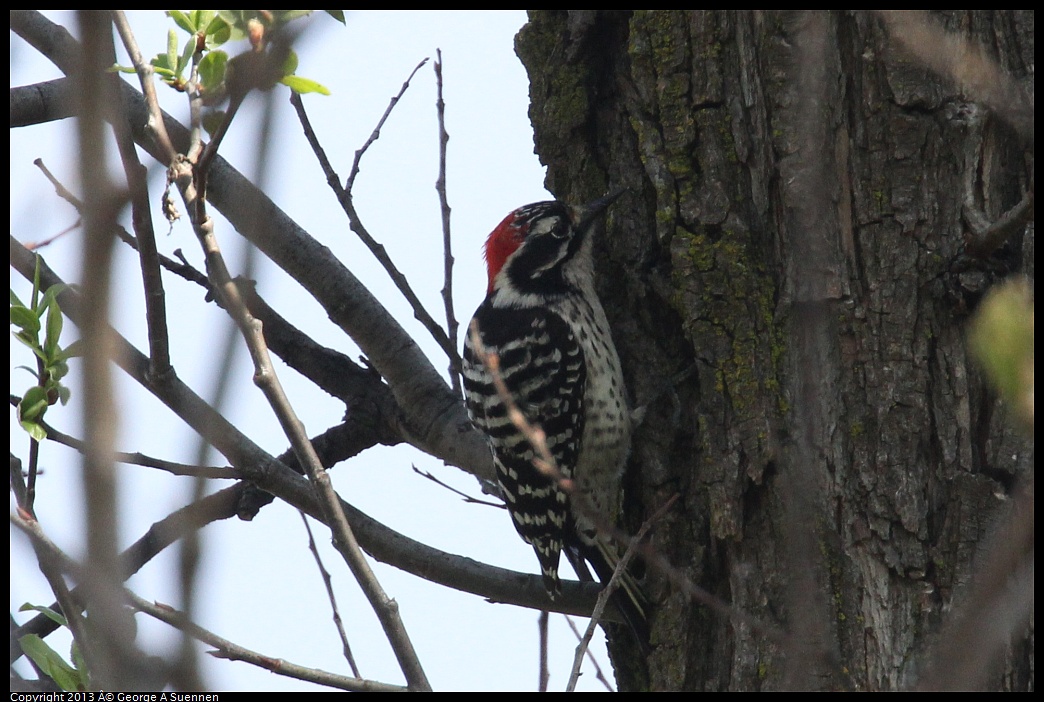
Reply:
x=558, y=227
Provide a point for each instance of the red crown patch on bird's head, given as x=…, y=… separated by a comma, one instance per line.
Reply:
x=511, y=233
x=502, y=242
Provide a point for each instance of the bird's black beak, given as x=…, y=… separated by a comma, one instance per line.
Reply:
x=585, y=215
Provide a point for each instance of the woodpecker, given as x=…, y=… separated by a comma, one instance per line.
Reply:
x=543, y=320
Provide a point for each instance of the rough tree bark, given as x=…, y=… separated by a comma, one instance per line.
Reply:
x=794, y=227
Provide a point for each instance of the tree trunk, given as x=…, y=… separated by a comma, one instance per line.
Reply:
x=793, y=227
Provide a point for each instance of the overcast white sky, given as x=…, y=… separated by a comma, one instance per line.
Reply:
x=259, y=586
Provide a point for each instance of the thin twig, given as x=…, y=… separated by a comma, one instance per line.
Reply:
x=376, y=133
x=144, y=243
x=467, y=498
x=155, y=124
x=140, y=459
x=55, y=562
x=344, y=197
x=328, y=582
x=447, y=239
x=162, y=534
x=34, y=467
x=60, y=189
x=599, y=675
x=619, y=572
x=544, y=675
x=18, y=483
x=136, y=175
x=211, y=149
x=228, y=650
x=189, y=182
x=34, y=246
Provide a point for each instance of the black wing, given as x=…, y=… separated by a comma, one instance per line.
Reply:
x=542, y=365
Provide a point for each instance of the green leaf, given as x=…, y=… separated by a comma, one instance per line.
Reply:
x=236, y=24
x=165, y=74
x=182, y=20
x=37, y=432
x=337, y=15
x=304, y=85
x=73, y=350
x=80, y=662
x=15, y=300
x=59, y=369
x=37, y=350
x=186, y=54
x=217, y=32
x=51, y=295
x=286, y=16
x=31, y=341
x=50, y=663
x=237, y=18
x=212, y=70
x=1001, y=337
x=26, y=320
x=46, y=611
x=54, y=328
x=117, y=68
x=201, y=19
x=33, y=404
x=160, y=65
x=172, y=51
x=290, y=64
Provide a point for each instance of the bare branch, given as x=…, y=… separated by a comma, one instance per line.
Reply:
x=59, y=188
x=467, y=498
x=51, y=558
x=231, y=651
x=344, y=197
x=447, y=239
x=54, y=562
x=619, y=573
x=376, y=133
x=491, y=583
x=328, y=583
x=136, y=176
x=590, y=656
x=544, y=675
x=18, y=483
x=191, y=183
x=220, y=505
x=140, y=459
x=40, y=103
x=111, y=623
x=145, y=73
